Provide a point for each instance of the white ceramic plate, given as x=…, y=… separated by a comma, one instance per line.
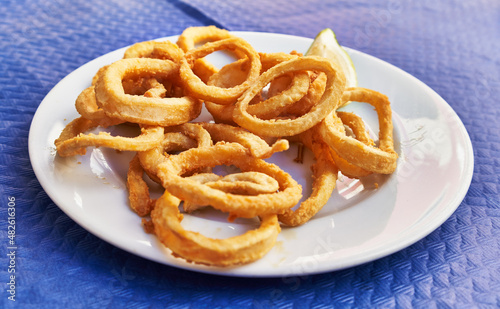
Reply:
x=363, y=221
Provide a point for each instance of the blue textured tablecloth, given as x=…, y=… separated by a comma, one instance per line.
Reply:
x=452, y=46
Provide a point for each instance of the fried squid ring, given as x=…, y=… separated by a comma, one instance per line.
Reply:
x=325, y=174
x=179, y=138
x=287, y=127
x=257, y=147
x=156, y=89
x=247, y=183
x=269, y=60
x=231, y=74
x=381, y=160
x=236, y=72
x=72, y=141
x=277, y=103
x=98, y=73
x=196, y=87
x=356, y=124
x=86, y=105
x=192, y=36
x=197, y=248
x=186, y=136
x=138, y=190
x=76, y=127
x=172, y=142
x=228, y=76
x=139, y=109
x=165, y=50
x=313, y=95
x=244, y=206
x=151, y=87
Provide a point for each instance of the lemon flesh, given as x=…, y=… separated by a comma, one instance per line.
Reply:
x=325, y=45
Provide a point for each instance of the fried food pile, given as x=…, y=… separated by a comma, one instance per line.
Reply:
x=260, y=103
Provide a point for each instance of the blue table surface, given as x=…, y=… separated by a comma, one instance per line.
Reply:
x=451, y=45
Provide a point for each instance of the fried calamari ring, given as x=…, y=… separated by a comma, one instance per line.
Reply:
x=186, y=136
x=172, y=142
x=139, y=197
x=257, y=147
x=202, y=178
x=196, y=87
x=96, y=75
x=230, y=75
x=324, y=177
x=170, y=172
x=247, y=183
x=278, y=127
x=165, y=50
x=193, y=36
x=179, y=138
x=156, y=90
x=269, y=60
x=72, y=141
x=277, y=103
x=146, y=86
x=76, y=127
x=356, y=124
x=139, y=109
x=381, y=160
x=313, y=95
x=236, y=72
x=138, y=190
x=87, y=107
x=86, y=104
x=152, y=88
x=197, y=248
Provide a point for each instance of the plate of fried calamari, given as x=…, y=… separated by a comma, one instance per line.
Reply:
x=244, y=154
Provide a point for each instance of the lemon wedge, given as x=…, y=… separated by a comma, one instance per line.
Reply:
x=325, y=45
